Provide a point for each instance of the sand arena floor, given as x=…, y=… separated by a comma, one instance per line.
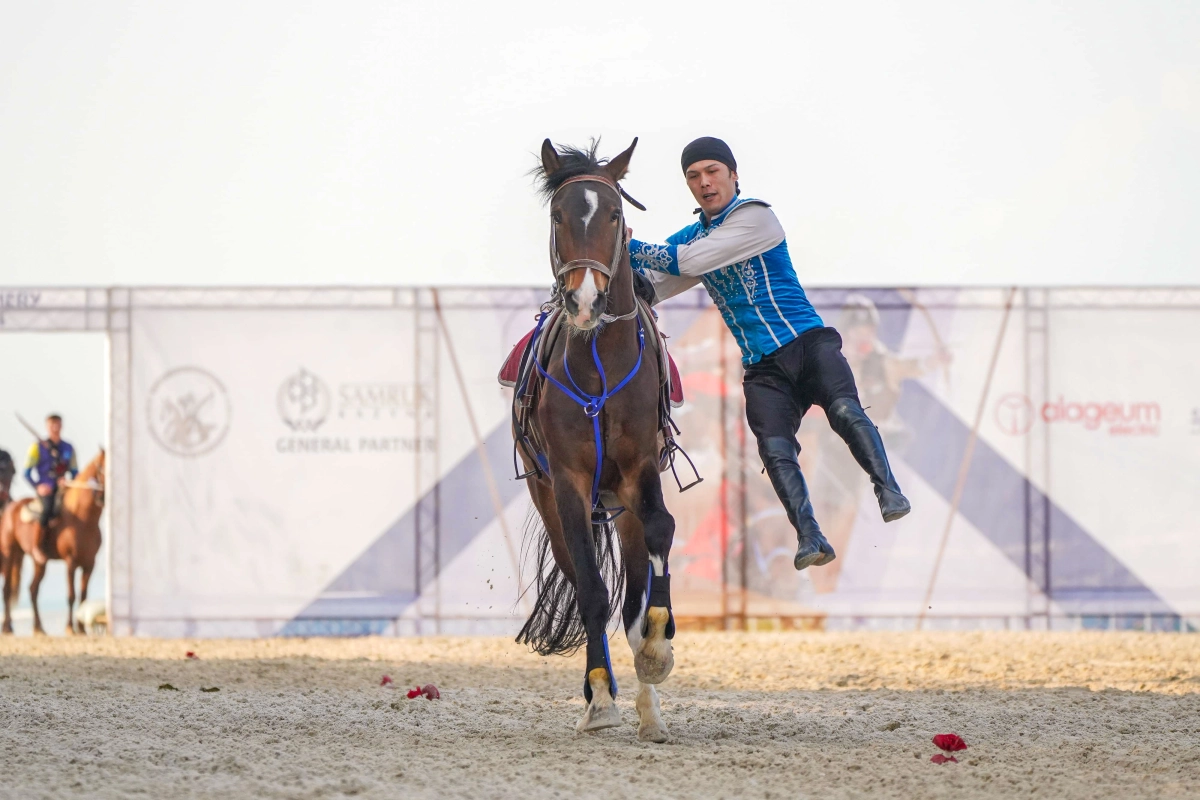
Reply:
x=790, y=715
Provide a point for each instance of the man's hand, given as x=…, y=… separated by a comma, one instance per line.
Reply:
x=43, y=490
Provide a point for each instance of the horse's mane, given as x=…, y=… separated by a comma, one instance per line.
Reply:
x=573, y=162
x=89, y=472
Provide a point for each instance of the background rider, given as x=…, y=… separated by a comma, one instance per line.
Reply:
x=50, y=462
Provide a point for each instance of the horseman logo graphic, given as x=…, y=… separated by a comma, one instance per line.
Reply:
x=188, y=411
x=303, y=401
x=1014, y=414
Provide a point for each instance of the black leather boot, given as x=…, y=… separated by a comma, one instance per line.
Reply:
x=779, y=456
x=849, y=421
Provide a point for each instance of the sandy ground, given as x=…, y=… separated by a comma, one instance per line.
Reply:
x=793, y=715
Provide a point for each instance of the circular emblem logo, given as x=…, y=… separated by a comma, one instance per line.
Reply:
x=1014, y=414
x=188, y=411
x=303, y=401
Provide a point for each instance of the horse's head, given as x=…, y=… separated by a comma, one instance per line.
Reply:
x=587, y=227
x=92, y=478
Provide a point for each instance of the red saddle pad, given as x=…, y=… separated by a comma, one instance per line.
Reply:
x=512, y=365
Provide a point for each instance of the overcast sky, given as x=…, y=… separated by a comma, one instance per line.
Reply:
x=388, y=143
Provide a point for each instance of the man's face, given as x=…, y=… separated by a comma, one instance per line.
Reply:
x=54, y=428
x=712, y=184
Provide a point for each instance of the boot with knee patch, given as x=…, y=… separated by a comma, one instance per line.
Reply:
x=779, y=456
x=849, y=421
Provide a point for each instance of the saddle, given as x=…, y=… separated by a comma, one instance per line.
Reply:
x=519, y=373
x=520, y=361
x=32, y=511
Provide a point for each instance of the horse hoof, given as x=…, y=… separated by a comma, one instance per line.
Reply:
x=650, y=727
x=655, y=658
x=652, y=732
x=602, y=712
x=599, y=718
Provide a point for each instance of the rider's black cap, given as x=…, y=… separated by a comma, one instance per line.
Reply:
x=708, y=148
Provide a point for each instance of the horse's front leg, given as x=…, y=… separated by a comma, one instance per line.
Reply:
x=571, y=497
x=652, y=657
x=651, y=727
x=83, y=587
x=39, y=572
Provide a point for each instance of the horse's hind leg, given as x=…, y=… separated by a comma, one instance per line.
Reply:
x=599, y=686
x=12, y=579
x=633, y=614
x=70, y=562
x=652, y=658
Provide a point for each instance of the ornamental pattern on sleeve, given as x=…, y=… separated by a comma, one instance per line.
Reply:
x=656, y=257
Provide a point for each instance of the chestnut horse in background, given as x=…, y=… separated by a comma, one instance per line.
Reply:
x=74, y=537
x=602, y=352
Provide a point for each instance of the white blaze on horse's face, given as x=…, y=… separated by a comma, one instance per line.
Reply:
x=586, y=254
x=585, y=298
x=593, y=202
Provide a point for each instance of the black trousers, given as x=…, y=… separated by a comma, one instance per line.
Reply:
x=781, y=388
x=48, y=509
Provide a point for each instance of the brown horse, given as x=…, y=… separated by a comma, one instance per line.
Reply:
x=74, y=537
x=579, y=591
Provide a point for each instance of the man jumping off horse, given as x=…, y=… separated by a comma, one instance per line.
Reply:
x=51, y=461
x=793, y=361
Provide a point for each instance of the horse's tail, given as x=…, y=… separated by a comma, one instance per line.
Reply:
x=554, y=626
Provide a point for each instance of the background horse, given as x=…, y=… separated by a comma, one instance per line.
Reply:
x=579, y=592
x=74, y=537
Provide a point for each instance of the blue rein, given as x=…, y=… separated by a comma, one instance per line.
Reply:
x=592, y=404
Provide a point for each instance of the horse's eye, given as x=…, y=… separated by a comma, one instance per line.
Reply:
x=616, y=215
x=557, y=217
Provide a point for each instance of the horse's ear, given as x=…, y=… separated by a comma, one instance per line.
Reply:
x=550, y=162
x=617, y=168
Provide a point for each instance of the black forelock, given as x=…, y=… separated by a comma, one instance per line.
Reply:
x=573, y=162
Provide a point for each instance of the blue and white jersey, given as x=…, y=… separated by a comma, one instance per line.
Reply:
x=742, y=260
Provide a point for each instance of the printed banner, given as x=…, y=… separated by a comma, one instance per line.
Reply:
x=302, y=471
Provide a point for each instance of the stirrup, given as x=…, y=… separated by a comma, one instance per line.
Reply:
x=606, y=516
x=670, y=448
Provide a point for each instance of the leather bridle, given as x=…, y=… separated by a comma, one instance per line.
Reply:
x=561, y=267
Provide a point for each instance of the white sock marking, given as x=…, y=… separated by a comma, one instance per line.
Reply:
x=658, y=565
x=593, y=201
x=634, y=633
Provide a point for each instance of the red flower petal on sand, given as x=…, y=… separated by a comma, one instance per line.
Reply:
x=950, y=742
x=431, y=692
x=941, y=759
x=386, y=680
x=414, y=693
x=190, y=654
